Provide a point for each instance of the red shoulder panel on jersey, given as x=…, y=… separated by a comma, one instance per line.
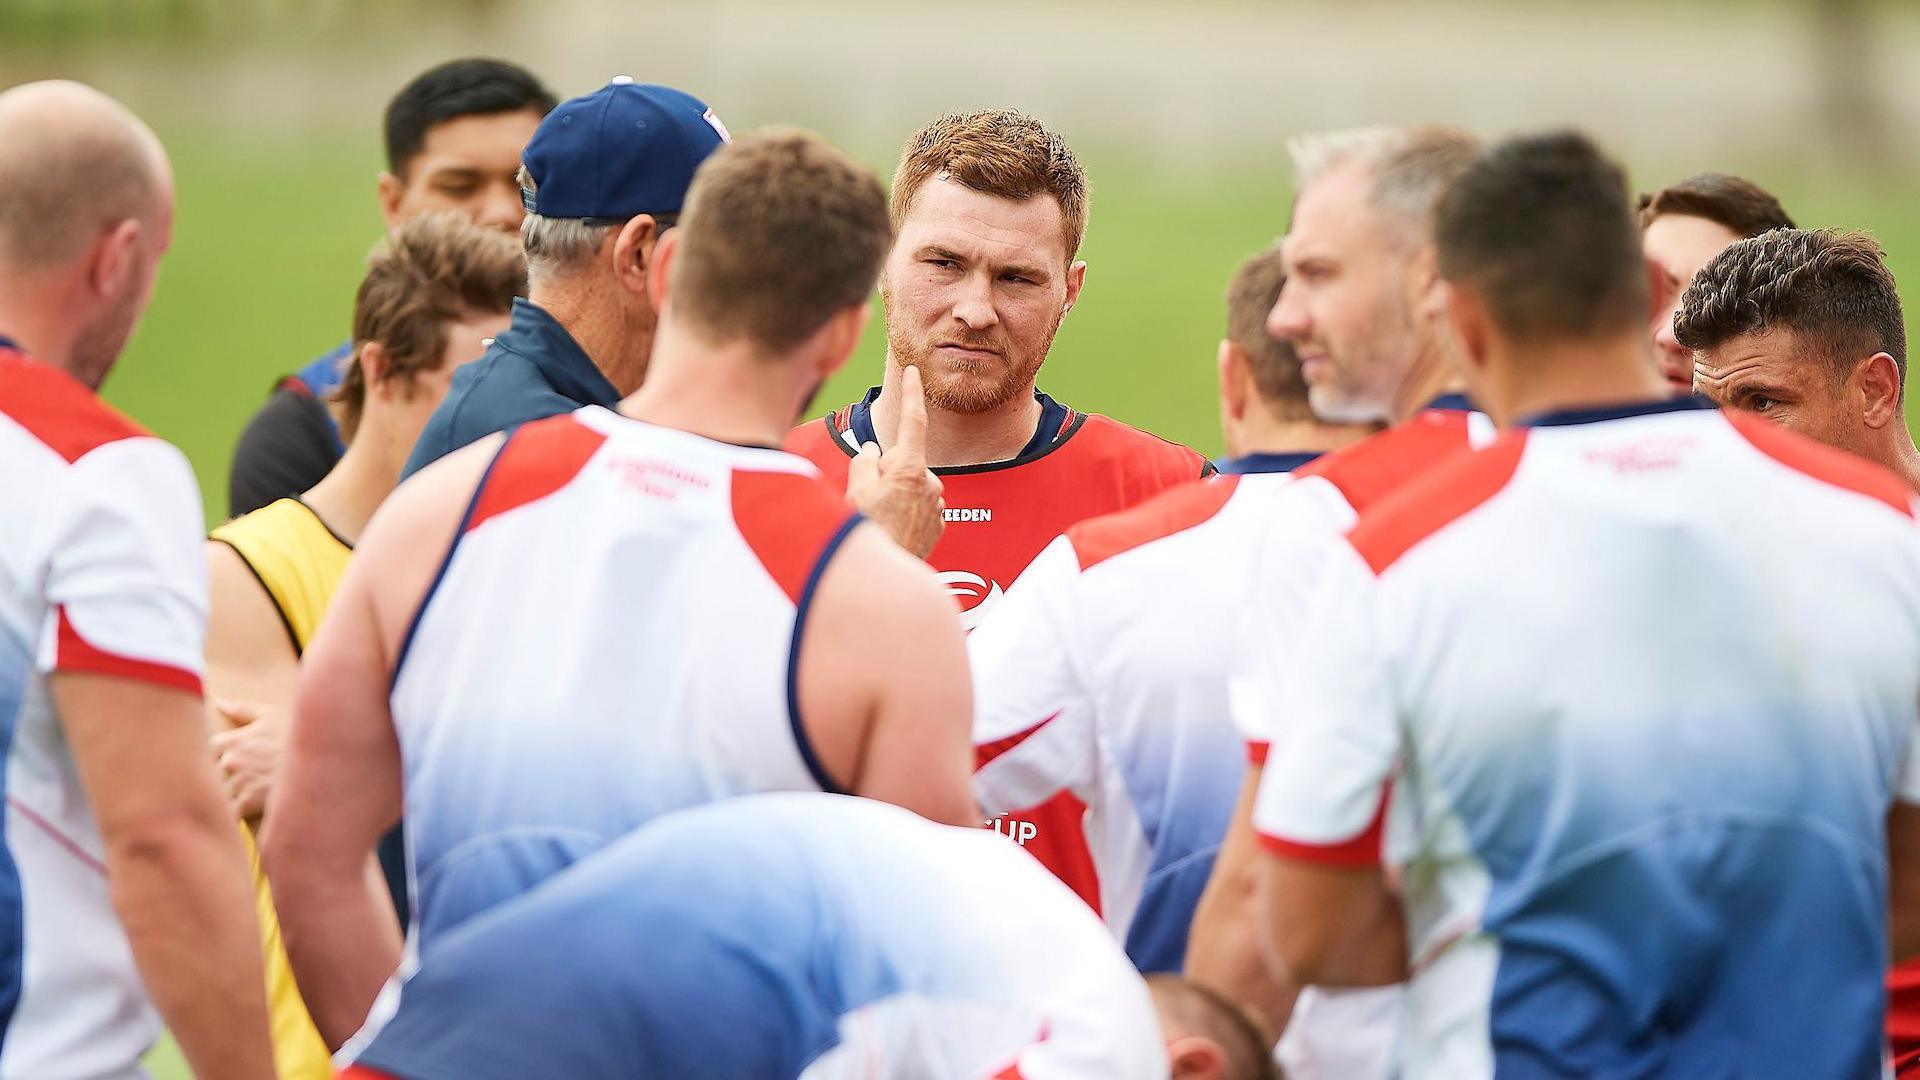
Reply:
x=1362, y=850
x=75, y=653
x=786, y=518
x=1175, y=510
x=538, y=460
x=1413, y=513
x=1144, y=452
x=1822, y=462
x=1372, y=467
x=58, y=409
x=362, y=1072
x=816, y=441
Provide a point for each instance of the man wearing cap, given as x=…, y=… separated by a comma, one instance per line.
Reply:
x=602, y=178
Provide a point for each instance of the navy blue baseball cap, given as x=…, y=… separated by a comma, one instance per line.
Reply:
x=627, y=148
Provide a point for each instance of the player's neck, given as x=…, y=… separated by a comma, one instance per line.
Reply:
x=28, y=317
x=1902, y=456
x=956, y=438
x=1571, y=375
x=1260, y=432
x=725, y=393
x=1431, y=375
x=366, y=474
x=618, y=350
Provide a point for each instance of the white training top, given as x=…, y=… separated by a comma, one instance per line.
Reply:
x=1643, y=684
x=784, y=935
x=1104, y=673
x=101, y=571
x=614, y=634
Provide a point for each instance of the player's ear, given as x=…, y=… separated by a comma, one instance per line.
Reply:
x=1426, y=298
x=1467, y=318
x=1076, y=279
x=658, y=283
x=115, y=255
x=1876, y=382
x=1232, y=362
x=635, y=250
x=843, y=332
x=1195, y=1057
x=390, y=189
x=374, y=363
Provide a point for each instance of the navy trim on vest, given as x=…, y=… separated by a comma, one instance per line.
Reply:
x=1264, y=463
x=1057, y=424
x=1453, y=403
x=406, y=643
x=805, y=604
x=1571, y=417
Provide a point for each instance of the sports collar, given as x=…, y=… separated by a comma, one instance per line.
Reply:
x=1053, y=420
x=8, y=343
x=1453, y=403
x=1571, y=417
x=1263, y=463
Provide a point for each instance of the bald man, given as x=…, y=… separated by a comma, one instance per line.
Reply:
x=123, y=884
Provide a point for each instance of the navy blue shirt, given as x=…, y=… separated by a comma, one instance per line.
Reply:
x=533, y=370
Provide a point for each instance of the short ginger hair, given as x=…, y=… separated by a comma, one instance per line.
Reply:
x=995, y=152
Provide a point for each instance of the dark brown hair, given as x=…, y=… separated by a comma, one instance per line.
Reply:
x=1276, y=369
x=997, y=152
x=1541, y=228
x=780, y=232
x=1832, y=289
x=434, y=270
x=1733, y=201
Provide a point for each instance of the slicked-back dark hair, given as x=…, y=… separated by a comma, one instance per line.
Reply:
x=1739, y=204
x=1274, y=365
x=1541, y=228
x=469, y=87
x=1831, y=288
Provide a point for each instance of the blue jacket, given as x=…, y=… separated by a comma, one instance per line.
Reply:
x=533, y=370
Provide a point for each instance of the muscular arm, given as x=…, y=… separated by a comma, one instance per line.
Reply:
x=1333, y=925
x=884, y=689
x=175, y=865
x=340, y=788
x=1226, y=946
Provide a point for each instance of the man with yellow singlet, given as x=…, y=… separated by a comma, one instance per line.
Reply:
x=432, y=294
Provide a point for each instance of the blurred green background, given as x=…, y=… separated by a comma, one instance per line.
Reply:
x=1179, y=111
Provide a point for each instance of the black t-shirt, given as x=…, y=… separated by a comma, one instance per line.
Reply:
x=284, y=450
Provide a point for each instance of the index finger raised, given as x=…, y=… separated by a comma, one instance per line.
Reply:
x=910, y=442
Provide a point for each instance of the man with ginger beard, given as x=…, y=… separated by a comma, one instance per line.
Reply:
x=989, y=209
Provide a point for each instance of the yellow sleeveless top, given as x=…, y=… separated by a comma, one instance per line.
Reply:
x=299, y=561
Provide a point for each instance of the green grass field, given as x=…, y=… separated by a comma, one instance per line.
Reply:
x=269, y=241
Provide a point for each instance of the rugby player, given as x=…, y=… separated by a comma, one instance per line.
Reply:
x=1683, y=226
x=602, y=179
x=990, y=209
x=453, y=141
x=123, y=889
x=1103, y=672
x=799, y=936
x=563, y=632
x=433, y=293
x=1617, y=858
x=1361, y=307
x=1805, y=328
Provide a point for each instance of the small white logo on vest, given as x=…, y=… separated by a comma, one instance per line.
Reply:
x=966, y=513
x=974, y=593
